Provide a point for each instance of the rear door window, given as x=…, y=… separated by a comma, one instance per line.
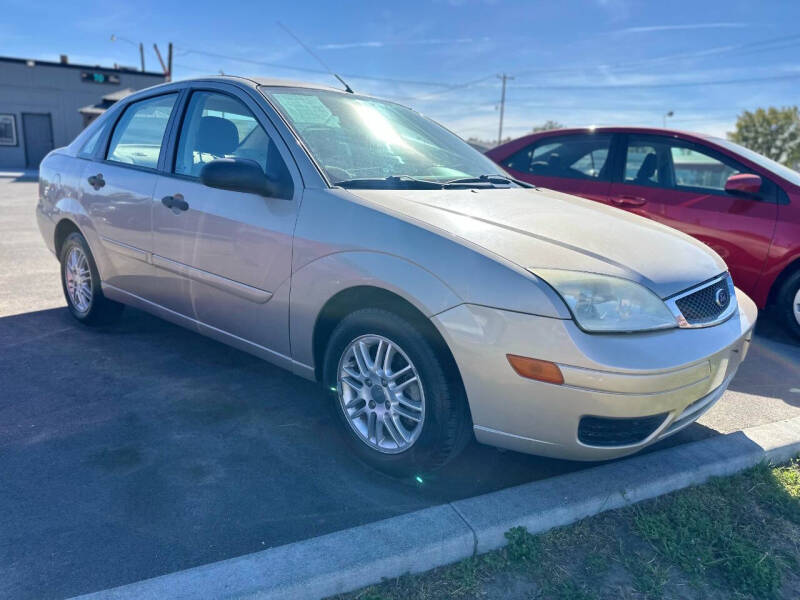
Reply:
x=139, y=135
x=582, y=156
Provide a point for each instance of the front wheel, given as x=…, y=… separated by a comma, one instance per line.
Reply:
x=788, y=303
x=400, y=402
x=81, y=284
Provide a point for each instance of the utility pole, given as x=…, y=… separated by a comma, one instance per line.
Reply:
x=141, y=54
x=167, y=68
x=504, y=78
x=169, y=62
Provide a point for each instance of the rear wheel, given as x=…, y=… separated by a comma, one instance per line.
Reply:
x=788, y=303
x=81, y=284
x=401, y=405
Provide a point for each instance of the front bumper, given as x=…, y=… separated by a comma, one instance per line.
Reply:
x=677, y=374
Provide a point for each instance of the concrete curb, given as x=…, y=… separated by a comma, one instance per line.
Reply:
x=415, y=542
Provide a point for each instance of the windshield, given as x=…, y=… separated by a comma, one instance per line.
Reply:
x=788, y=174
x=358, y=138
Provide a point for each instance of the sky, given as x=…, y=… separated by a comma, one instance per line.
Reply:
x=588, y=62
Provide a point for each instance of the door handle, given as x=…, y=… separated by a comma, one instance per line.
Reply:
x=628, y=200
x=96, y=181
x=175, y=202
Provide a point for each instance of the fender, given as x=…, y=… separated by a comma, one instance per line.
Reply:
x=312, y=287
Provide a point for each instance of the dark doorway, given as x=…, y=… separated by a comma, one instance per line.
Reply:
x=37, y=130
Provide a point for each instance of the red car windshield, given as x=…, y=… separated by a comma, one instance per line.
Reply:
x=788, y=174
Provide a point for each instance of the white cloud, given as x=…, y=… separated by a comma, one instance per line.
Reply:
x=382, y=44
x=654, y=28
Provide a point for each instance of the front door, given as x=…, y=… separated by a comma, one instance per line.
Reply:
x=682, y=184
x=117, y=193
x=232, y=249
x=37, y=131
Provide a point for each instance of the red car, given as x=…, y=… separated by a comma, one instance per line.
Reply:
x=742, y=204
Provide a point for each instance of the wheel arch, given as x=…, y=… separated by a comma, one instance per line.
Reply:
x=63, y=228
x=359, y=297
x=776, y=286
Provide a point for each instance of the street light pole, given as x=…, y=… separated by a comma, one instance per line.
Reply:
x=116, y=38
x=664, y=118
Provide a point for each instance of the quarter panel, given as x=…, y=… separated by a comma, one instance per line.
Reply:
x=785, y=248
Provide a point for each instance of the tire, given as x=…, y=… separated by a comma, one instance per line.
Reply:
x=81, y=284
x=439, y=402
x=787, y=304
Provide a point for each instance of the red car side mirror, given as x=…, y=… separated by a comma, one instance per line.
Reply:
x=743, y=183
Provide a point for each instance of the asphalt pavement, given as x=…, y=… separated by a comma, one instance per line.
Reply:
x=141, y=448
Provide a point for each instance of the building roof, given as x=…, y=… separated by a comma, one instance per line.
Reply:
x=48, y=63
x=105, y=102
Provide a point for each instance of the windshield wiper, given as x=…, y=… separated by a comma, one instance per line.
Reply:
x=486, y=179
x=393, y=182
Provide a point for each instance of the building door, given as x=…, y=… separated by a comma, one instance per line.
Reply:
x=38, y=132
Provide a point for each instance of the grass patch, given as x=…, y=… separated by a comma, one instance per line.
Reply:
x=735, y=537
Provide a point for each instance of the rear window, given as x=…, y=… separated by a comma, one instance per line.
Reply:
x=582, y=156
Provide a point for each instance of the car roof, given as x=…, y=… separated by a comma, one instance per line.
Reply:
x=512, y=146
x=620, y=129
x=252, y=82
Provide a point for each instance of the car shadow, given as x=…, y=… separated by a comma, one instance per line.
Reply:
x=116, y=441
x=772, y=365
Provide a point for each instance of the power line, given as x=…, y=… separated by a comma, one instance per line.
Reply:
x=719, y=50
x=618, y=86
x=314, y=70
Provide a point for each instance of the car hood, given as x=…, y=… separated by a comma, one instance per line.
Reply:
x=538, y=228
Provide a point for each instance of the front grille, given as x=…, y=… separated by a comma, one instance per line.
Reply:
x=706, y=304
x=605, y=431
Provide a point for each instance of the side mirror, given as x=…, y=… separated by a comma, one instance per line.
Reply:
x=237, y=175
x=746, y=184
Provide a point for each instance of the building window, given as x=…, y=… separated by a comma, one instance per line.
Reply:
x=8, y=130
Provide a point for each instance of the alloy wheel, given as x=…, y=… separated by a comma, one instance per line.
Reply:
x=381, y=394
x=78, y=279
x=796, y=306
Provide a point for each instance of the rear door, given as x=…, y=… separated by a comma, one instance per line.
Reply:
x=575, y=164
x=117, y=189
x=232, y=250
x=682, y=184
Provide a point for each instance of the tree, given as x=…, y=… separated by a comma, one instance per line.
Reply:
x=774, y=132
x=547, y=125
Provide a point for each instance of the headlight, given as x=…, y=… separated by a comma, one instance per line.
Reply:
x=605, y=303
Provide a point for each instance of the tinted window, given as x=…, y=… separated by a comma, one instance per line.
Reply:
x=647, y=161
x=574, y=156
x=138, y=136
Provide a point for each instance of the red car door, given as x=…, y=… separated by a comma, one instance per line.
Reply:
x=572, y=163
x=682, y=184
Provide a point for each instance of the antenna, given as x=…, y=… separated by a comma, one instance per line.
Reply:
x=347, y=88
